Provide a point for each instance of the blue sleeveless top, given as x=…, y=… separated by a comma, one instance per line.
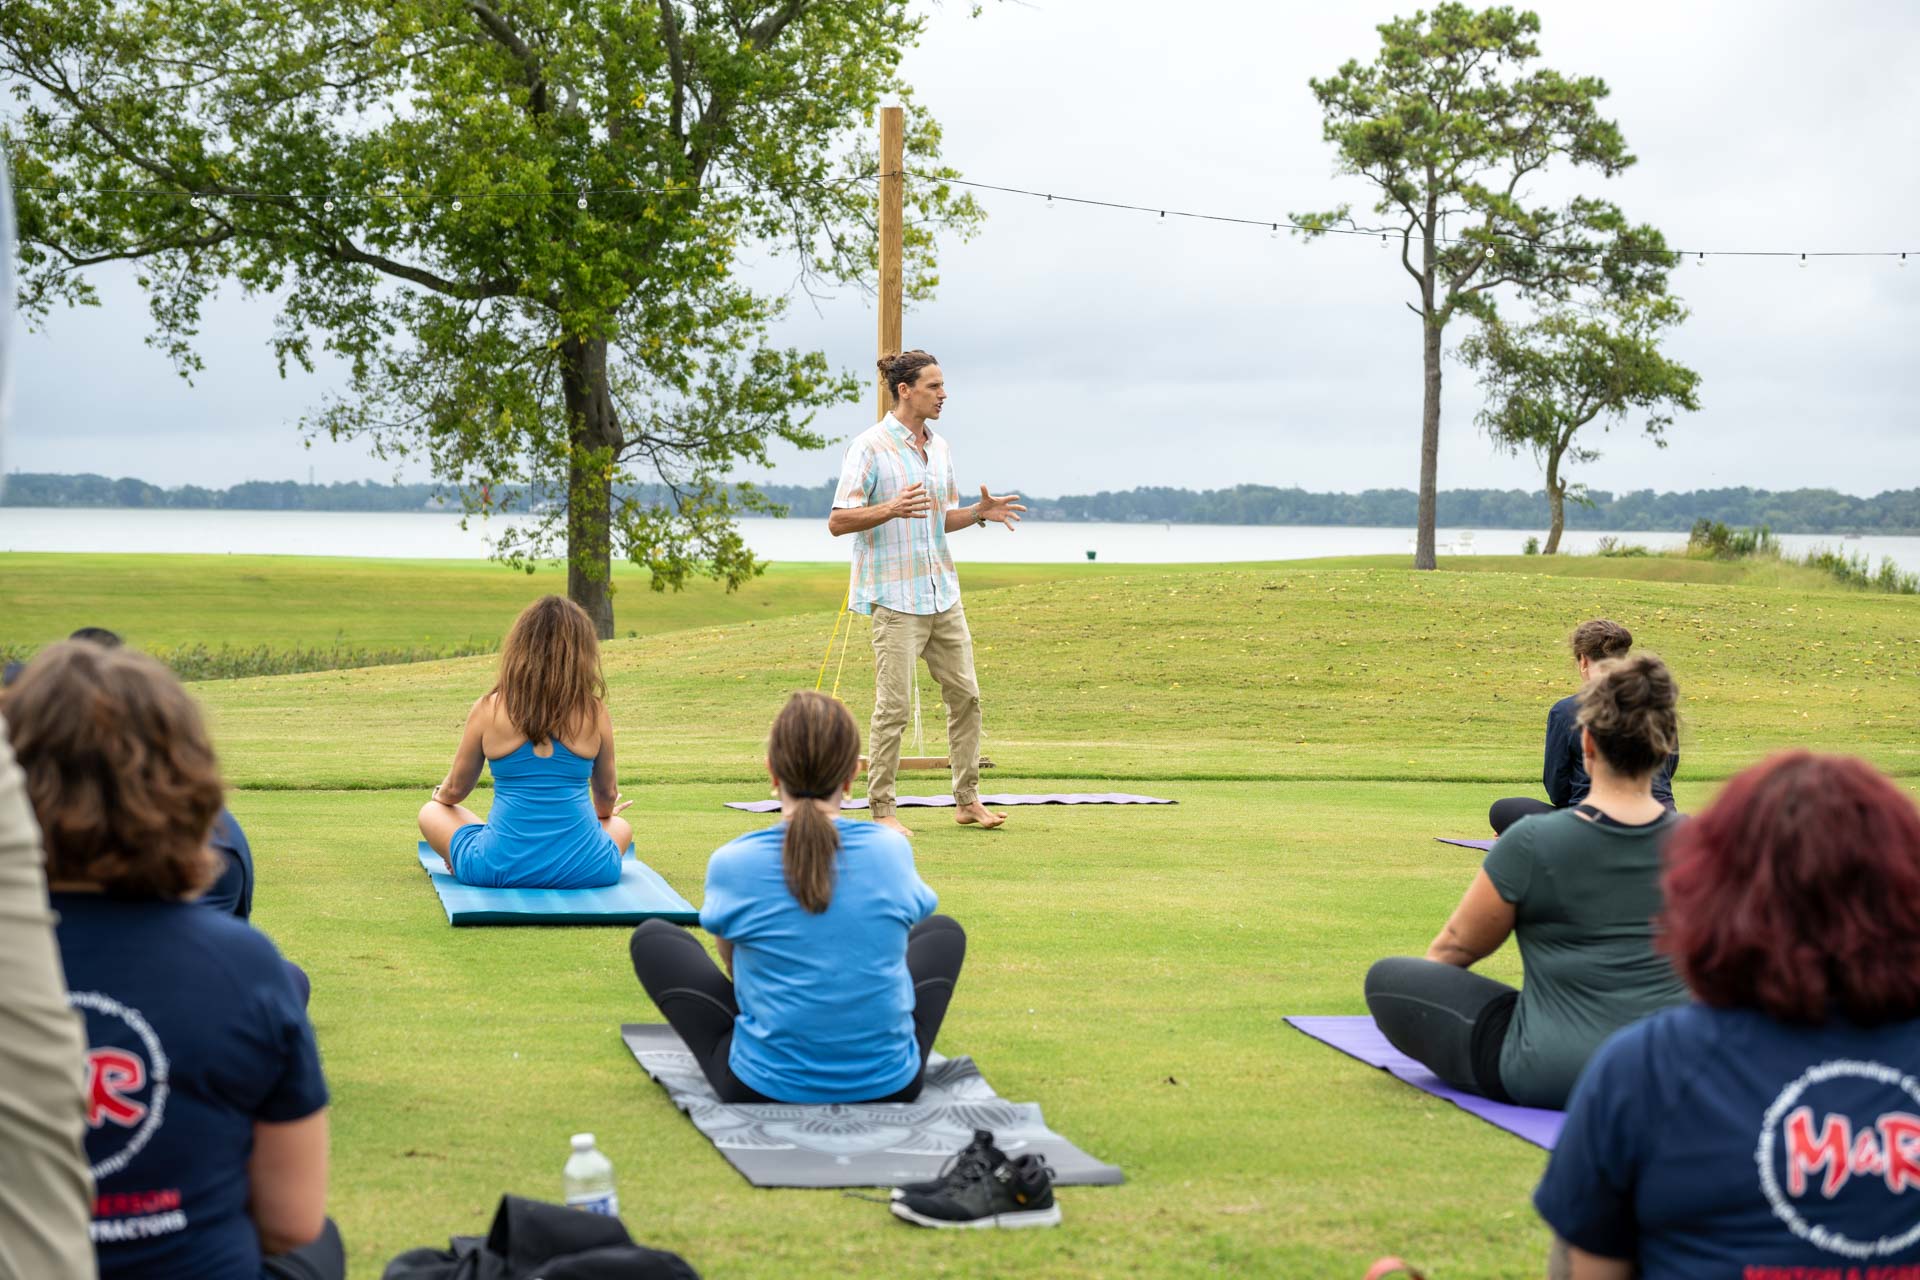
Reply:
x=542, y=832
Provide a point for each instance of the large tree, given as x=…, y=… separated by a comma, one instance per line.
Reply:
x=521, y=223
x=1451, y=124
x=1577, y=363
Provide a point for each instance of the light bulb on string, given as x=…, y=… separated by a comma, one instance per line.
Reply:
x=456, y=204
x=1803, y=261
x=1700, y=260
x=1274, y=234
x=1050, y=204
x=1163, y=217
x=1383, y=239
x=582, y=202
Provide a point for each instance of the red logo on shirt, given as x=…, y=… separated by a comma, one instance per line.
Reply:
x=128, y=1081
x=1844, y=1121
x=113, y=1077
x=1889, y=1149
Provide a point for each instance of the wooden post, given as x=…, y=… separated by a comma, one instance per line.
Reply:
x=892, y=283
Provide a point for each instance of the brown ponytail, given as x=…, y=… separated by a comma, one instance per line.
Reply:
x=1631, y=707
x=813, y=750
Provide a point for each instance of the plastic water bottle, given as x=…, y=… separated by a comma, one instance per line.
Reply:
x=588, y=1179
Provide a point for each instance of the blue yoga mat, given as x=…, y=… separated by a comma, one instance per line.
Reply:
x=641, y=895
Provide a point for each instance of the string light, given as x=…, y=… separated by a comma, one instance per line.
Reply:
x=1052, y=200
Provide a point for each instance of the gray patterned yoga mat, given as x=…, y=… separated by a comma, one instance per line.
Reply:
x=946, y=802
x=863, y=1145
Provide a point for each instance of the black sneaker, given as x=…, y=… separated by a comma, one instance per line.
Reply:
x=1014, y=1193
x=980, y=1151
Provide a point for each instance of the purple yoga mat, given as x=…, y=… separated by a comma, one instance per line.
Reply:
x=1465, y=844
x=946, y=802
x=1358, y=1037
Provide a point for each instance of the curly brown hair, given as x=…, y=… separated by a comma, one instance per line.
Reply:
x=119, y=769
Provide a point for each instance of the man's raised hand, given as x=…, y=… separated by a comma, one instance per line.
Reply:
x=1006, y=509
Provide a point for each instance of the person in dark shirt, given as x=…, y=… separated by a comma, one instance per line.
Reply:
x=1772, y=1128
x=206, y=1107
x=1578, y=890
x=1563, y=770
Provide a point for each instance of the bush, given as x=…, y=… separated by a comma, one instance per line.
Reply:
x=1612, y=546
x=1709, y=539
x=1531, y=547
x=198, y=662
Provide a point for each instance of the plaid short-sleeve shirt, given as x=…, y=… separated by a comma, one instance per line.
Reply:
x=903, y=565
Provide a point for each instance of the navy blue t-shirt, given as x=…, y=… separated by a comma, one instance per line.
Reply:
x=1564, y=773
x=1707, y=1143
x=232, y=892
x=194, y=1032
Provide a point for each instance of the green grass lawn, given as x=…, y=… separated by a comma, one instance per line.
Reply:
x=1128, y=968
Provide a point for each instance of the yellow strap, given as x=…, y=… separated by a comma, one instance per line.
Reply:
x=820, y=679
x=845, y=645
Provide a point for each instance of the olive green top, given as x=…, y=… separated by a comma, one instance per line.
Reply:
x=1585, y=892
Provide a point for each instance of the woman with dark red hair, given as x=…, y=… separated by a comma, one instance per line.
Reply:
x=1773, y=1127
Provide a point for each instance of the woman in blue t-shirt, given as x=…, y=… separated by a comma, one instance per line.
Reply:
x=206, y=1109
x=841, y=975
x=544, y=731
x=1773, y=1127
x=1563, y=769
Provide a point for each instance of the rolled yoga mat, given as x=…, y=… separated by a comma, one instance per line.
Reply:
x=641, y=894
x=1466, y=844
x=946, y=802
x=868, y=1144
x=1358, y=1037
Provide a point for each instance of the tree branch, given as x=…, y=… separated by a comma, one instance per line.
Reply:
x=504, y=36
x=676, y=65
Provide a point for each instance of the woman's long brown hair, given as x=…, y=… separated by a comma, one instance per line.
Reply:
x=814, y=749
x=550, y=671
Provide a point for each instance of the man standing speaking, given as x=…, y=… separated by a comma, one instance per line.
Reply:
x=898, y=498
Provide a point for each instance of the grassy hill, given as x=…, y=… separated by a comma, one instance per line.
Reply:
x=1128, y=968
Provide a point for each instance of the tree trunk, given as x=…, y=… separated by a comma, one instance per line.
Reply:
x=1429, y=447
x=594, y=433
x=1556, y=504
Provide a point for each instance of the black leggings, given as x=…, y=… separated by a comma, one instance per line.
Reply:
x=1509, y=811
x=696, y=998
x=1450, y=1019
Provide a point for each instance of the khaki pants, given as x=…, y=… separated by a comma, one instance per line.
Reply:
x=900, y=640
x=46, y=1198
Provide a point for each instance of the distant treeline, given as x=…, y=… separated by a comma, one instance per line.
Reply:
x=1784, y=511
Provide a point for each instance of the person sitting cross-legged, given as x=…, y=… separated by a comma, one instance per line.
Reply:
x=544, y=731
x=841, y=974
x=1579, y=890
x=1563, y=770
x=1771, y=1128
x=206, y=1107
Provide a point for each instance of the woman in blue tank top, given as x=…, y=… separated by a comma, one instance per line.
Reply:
x=544, y=731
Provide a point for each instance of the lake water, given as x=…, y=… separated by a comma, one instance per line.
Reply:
x=428, y=535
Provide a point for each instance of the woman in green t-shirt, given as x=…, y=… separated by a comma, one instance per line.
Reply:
x=1579, y=888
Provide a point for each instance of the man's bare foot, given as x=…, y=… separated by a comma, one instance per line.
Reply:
x=892, y=823
x=978, y=815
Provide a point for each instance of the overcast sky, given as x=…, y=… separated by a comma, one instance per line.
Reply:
x=1089, y=349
